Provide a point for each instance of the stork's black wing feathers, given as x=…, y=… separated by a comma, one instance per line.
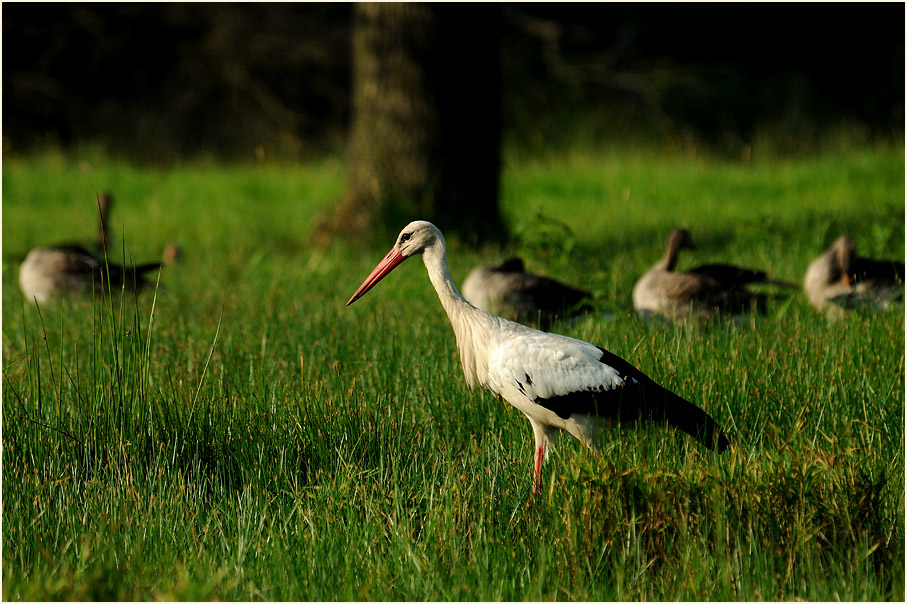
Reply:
x=639, y=399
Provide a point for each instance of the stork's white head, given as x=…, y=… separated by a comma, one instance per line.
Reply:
x=415, y=238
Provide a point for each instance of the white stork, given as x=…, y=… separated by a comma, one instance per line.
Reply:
x=559, y=383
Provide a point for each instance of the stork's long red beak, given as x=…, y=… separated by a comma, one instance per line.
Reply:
x=390, y=262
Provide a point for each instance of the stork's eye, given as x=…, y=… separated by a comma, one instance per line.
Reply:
x=405, y=237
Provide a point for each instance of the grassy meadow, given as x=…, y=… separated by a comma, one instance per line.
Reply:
x=240, y=434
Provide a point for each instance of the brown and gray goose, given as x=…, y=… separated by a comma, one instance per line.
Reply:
x=839, y=280
x=700, y=293
x=508, y=290
x=52, y=272
x=72, y=268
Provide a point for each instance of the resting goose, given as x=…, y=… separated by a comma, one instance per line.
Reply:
x=508, y=290
x=72, y=268
x=839, y=279
x=52, y=272
x=699, y=293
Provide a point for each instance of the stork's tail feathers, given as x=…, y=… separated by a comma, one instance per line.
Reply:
x=644, y=399
x=684, y=415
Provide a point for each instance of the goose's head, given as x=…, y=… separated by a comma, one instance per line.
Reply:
x=680, y=239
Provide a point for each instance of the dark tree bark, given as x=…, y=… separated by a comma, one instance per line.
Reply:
x=425, y=132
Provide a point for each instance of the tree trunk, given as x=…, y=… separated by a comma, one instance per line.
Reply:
x=425, y=132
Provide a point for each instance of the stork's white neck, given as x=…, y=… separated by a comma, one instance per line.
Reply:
x=435, y=259
x=468, y=322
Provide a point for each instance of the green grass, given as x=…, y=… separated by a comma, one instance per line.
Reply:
x=241, y=434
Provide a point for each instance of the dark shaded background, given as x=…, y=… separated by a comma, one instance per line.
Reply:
x=157, y=81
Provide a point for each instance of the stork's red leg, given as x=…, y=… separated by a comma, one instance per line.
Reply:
x=539, y=457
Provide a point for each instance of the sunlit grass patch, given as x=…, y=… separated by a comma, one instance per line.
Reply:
x=238, y=433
